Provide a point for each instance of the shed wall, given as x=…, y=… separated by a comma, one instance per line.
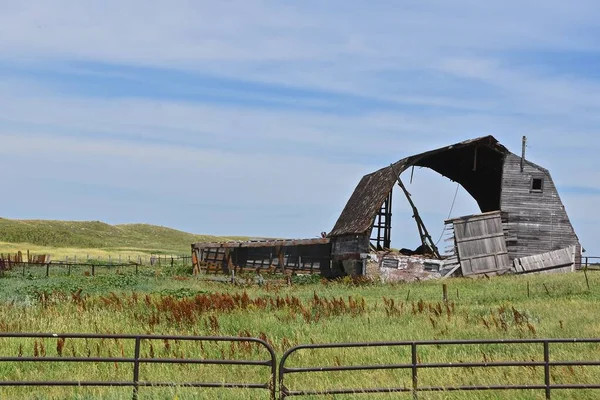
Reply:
x=537, y=220
x=345, y=254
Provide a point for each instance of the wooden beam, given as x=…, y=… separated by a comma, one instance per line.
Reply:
x=426, y=239
x=262, y=243
x=523, y=153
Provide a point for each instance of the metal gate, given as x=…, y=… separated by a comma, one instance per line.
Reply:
x=414, y=365
x=136, y=361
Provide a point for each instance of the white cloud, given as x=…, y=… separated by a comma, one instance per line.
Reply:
x=445, y=71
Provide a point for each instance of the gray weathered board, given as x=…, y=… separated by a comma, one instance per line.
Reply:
x=481, y=244
x=554, y=261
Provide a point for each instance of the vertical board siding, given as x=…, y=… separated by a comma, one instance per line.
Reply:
x=537, y=221
x=481, y=244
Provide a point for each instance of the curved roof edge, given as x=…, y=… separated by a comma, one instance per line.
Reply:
x=368, y=197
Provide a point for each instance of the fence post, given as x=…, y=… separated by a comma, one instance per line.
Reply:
x=547, y=368
x=445, y=293
x=136, y=368
x=587, y=282
x=415, y=377
x=47, y=270
x=93, y=270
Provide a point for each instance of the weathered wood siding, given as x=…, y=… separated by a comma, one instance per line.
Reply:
x=349, y=246
x=536, y=220
x=345, y=254
x=554, y=261
x=480, y=243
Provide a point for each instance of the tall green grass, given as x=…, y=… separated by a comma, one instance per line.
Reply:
x=160, y=302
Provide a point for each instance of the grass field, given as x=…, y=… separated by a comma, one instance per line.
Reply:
x=172, y=302
x=96, y=239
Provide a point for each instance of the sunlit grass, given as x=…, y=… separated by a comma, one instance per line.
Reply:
x=156, y=302
x=93, y=238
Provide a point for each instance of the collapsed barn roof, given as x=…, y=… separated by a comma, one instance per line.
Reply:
x=522, y=221
x=476, y=164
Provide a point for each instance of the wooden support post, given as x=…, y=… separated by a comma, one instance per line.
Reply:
x=546, y=287
x=227, y=264
x=195, y=263
x=523, y=153
x=425, y=236
x=281, y=259
x=445, y=293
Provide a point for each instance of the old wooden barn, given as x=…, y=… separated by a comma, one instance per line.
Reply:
x=523, y=225
x=522, y=213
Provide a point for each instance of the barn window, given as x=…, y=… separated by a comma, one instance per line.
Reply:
x=537, y=185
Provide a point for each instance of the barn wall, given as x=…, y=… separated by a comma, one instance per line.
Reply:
x=345, y=254
x=537, y=221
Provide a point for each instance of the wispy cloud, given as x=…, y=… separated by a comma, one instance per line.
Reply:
x=260, y=117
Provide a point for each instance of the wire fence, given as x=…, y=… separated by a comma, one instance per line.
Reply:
x=92, y=266
x=148, y=260
x=590, y=262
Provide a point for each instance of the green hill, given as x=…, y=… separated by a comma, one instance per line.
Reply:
x=98, y=235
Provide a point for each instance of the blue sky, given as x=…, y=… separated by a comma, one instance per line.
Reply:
x=259, y=117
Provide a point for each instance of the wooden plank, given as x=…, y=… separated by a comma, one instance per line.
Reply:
x=262, y=243
x=453, y=270
x=480, y=244
x=473, y=238
x=562, y=260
